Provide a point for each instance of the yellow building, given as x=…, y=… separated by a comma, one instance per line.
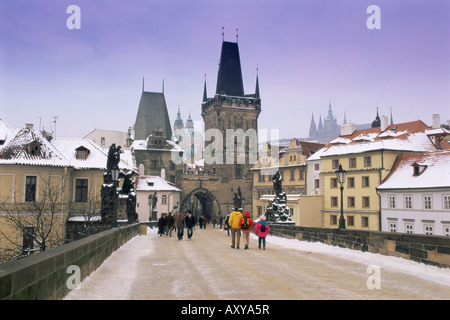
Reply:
x=291, y=163
x=43, y=182
x=367, y=156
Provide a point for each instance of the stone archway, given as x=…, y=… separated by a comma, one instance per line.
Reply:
x=210, y=206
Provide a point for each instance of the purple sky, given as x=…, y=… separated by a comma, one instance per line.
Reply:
x=309, y=52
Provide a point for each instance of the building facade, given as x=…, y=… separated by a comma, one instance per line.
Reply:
x=415, y=197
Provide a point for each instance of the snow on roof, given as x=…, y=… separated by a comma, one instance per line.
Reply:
x=60, y=152
x=154, y=183
x=408, y=137
x=435, y=171
x=5, y=130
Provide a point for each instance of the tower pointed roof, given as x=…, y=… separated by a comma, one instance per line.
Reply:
x=229, y=78
x=178, y=123
x=152, y=114
x=257, y=87
x=205, y=94
x=312, y=128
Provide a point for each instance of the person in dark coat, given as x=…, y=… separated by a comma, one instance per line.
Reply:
x=189, y=225
x=161, y=224
x=180, y=223
x=170, y=222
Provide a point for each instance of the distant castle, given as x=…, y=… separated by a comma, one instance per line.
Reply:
x=326, y=131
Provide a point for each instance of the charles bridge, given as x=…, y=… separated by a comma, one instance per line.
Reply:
x=45, y=275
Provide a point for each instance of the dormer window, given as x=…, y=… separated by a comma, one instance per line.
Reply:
x=33, y=148
x=418, y=169
x=82, y=153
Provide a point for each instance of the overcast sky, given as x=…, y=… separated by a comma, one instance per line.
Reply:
x=309, y=53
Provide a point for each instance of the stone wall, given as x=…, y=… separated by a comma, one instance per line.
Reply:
x=432, y=250
x=44, y=275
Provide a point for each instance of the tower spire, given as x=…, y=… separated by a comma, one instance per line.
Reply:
x=205, y=96
x=257, y=84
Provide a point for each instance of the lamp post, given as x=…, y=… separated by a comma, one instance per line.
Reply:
x=340, y=174
x=115, y=171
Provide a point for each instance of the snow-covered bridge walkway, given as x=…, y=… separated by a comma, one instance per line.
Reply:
x=153, y=267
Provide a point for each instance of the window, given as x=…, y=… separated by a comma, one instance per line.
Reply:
x=154, y=164
x=164, y=199
x=350, y=182
x=366, y=202
x=102, y=141
x=446, y=202
x=428, y=229
x=409, y=227
x=408, y=202
x=301, y=175
x=352, y=163
x=391, y=202
x=316, y=167
x=292, y=174
x=333, y=219
x=333, y=183
x=350, y=220
x=351, y=202
x=367, y=161
x=392, y=226
x=334, y=201
x=427, y=202
x=82, y=153
x=447, y=231
x=30, y=188
x=365, y=181
x=316, y=184
x=81, y=190
x=335, y=164
x=365, y=222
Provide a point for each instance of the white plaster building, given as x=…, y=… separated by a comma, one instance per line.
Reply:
x=415, y=197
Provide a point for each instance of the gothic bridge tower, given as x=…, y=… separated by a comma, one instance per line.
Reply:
x=231, y=120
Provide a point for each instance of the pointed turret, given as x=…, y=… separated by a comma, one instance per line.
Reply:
x=205, y=95
x=377, y=122
x=229, y=78
x=312, y=128
x=257, y=87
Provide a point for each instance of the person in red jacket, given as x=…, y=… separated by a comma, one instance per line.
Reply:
x=262, y=230
x=246, y=223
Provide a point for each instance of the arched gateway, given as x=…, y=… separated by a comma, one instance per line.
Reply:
x=201, y=202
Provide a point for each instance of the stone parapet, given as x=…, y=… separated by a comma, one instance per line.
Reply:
x=432, y=250
x=45, y=275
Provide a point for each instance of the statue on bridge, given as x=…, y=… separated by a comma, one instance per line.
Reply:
x=277, y=210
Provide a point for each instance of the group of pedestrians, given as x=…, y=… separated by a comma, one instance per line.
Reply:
x=167, y=223
x=235, y=223
x=238, y=222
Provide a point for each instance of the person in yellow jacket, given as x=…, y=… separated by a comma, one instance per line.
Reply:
x=233, y=222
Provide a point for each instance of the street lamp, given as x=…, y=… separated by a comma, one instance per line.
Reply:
x=340, y=174
x=115, y=171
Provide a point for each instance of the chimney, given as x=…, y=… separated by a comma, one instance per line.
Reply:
x=384, y=123
x=347, y=129
x=436, y=121
x=163, y=174
x=29, y=125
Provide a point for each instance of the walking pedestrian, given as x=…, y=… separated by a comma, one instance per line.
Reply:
x=262, y=230
x=226, y=226
x=161, y=224
x=214, y=221
x=189, y=225
x=246, y=226
x=180, y=224
x=205, y=221
x=220, y=221
x=233, y=222
x=170, y=222
x=200, y=222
